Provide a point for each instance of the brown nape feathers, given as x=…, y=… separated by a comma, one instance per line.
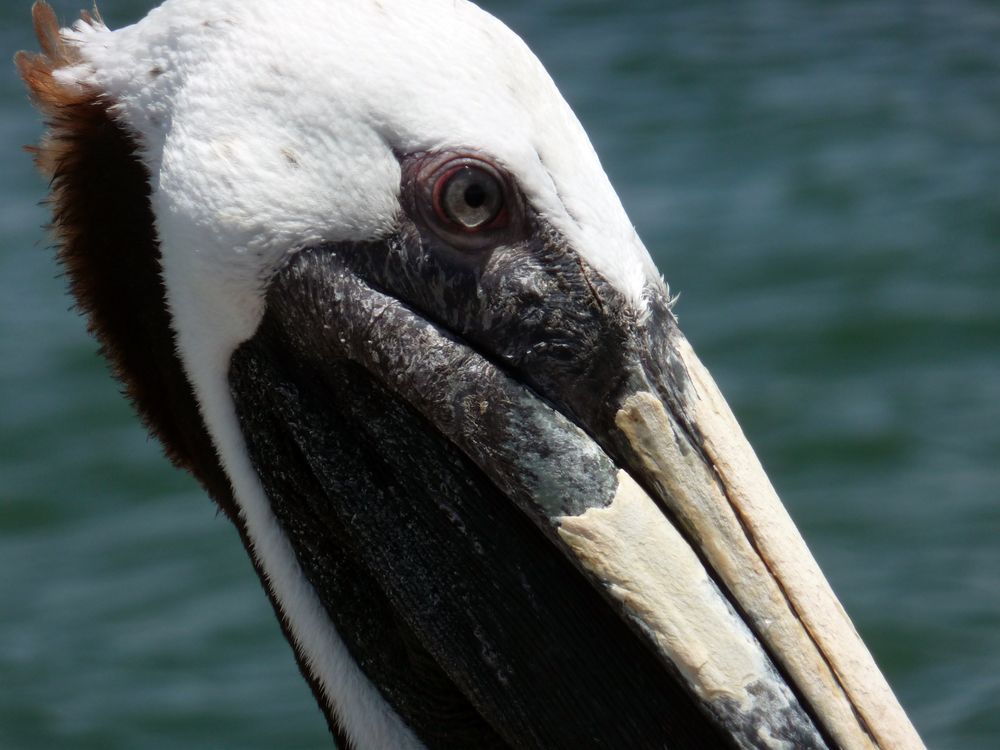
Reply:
x=107, y=243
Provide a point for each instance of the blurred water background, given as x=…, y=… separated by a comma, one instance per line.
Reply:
x=820, y=181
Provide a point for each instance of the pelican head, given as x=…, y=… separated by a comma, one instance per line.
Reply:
x=361, y=271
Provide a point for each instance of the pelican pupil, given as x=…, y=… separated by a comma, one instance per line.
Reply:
x=475, y=196
x=472, y=198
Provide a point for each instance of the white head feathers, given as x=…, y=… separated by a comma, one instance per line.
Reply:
x=271, y=124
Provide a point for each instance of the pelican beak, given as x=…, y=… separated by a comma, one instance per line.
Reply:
x=598, y=422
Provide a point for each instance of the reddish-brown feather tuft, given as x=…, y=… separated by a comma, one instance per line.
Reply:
x=107, y=242
x=104, y=230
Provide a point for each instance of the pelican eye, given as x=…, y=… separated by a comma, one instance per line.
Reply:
x=470, y=196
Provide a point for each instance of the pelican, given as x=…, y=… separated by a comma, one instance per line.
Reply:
x=361, y=272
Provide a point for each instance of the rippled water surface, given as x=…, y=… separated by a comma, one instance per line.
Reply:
x=819, y=180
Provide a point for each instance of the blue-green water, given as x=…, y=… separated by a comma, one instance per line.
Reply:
x=821, y=182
